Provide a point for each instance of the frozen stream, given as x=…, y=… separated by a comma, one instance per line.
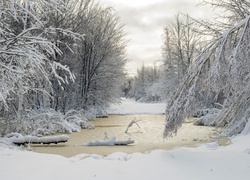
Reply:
x=147, y=137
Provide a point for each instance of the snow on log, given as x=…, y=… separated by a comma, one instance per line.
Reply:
x=21, y=140
x=126, y=142
x=110, y=142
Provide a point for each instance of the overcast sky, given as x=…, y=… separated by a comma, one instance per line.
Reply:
x=144, y=22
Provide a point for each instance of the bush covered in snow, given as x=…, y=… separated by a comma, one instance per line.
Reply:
x=44, y=122
x=208, y=117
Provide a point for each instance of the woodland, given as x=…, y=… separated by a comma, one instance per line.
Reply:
x=204, y=71
x=63, y=62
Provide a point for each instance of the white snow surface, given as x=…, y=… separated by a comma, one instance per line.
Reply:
x=207, y=162
x=130, y=106
x=109, y=142
x=34, y=139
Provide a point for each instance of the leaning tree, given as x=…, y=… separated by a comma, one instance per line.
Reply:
x=220, y=75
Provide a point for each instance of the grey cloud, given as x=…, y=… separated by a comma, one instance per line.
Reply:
x=144, y=26
x=158, y=14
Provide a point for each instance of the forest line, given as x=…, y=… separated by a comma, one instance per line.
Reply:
x=67, y=58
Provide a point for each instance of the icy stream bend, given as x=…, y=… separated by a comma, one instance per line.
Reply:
x=148, y=137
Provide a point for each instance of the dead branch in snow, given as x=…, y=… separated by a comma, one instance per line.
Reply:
x=134, y=121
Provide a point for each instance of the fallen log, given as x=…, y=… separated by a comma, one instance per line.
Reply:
x=124, y=143
x=22, y=140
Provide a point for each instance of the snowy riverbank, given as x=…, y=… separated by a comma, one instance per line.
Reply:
x=208, y=161
x=130, y=106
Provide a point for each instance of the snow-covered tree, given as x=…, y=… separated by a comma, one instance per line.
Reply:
x=68, y=26
x=228, y=13
x=233, y=10
x=218, y=79
x=100, y=59
x=218, y=76
x=180, y=46
x=41, y=43
x=26, y=54
x=142, y=86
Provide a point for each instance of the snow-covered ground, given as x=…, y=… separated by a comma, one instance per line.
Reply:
x=208, y=161
x=129, y=106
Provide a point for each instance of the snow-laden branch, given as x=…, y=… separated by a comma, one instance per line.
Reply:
x=65, y=68
x=26, y=52
x=218, y=75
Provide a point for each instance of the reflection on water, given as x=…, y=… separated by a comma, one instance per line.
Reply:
x=147, y=137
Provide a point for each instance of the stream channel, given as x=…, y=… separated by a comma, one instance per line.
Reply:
x=149, y=136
